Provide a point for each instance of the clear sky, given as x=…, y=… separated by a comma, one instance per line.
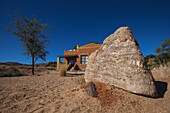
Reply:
x=82, y=21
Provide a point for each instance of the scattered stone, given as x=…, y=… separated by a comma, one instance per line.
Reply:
x=119, y=62
x=91, y=89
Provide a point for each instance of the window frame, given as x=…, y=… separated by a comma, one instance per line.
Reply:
x=84, y=59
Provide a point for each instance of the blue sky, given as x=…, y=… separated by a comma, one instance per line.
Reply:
x=81, y=21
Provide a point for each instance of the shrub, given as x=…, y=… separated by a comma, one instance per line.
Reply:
x=52, y=64
x=62, y=70
x=165, y=70
x=11, y=72
x=37, y=74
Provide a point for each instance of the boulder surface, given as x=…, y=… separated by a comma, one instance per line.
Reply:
x=119, y=62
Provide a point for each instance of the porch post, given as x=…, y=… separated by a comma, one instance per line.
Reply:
x=66, y=61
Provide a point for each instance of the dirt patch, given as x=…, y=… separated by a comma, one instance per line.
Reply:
x=114, y=99
x=49, y=93
x=105, y=93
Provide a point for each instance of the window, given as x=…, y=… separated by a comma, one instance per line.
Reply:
x=84, y=59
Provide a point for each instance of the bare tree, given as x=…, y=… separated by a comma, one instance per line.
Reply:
x=33, y=34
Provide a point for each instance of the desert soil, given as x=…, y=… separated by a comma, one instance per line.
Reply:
x=50, y=93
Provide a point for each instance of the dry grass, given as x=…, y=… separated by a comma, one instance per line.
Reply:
x=62, y=70
x=10, y=71
x=165, y=70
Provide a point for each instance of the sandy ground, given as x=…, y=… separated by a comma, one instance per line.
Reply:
x=49, y=93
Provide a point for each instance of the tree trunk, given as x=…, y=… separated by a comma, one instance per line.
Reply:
x=32, y=64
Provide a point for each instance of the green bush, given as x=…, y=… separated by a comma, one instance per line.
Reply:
x=37, y=74
x=52, y=64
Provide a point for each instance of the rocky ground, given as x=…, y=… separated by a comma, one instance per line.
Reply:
x=50, y=93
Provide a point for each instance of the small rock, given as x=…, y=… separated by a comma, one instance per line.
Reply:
x=91, y=89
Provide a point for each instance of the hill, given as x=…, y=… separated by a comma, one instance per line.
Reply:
x=20, y=64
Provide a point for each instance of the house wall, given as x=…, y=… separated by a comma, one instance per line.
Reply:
x=84, y=50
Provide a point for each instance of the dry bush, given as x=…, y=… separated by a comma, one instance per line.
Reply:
x=165, y=70
x=11, y=72
x=62, y=70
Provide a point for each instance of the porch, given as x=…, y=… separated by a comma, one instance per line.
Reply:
x=70, y=60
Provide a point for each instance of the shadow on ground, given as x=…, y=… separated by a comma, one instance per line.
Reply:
x=73, y=75
x=161, y=88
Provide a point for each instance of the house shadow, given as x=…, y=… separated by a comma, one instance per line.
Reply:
x=161, y=88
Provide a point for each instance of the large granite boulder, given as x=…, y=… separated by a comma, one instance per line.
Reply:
x=119, y=62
